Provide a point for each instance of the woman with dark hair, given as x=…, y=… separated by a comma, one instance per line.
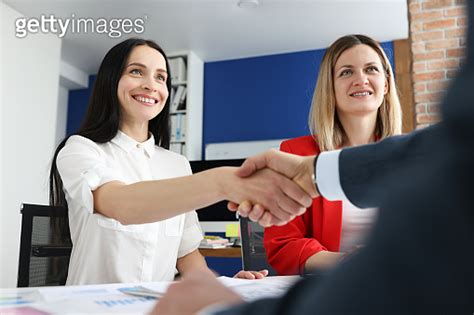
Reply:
x=129, y=199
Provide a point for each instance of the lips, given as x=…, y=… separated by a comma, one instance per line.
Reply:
x=145, y=99
x=361, y=93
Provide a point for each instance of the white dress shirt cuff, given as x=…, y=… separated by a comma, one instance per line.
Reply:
x=327, y=176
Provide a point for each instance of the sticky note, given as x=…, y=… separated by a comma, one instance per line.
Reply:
x=232, y=230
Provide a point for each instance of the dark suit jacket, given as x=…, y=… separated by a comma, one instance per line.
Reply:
x=420, y=256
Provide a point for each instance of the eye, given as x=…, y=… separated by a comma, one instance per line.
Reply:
x=160, y=77
x=345, y=73
x=372, y=69
x=136, y=71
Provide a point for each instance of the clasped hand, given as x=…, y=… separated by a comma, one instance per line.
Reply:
x=295, y=185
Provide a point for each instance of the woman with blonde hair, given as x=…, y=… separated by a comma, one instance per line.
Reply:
x=355, y=102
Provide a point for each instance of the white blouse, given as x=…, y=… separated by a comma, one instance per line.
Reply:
x=104, y=250
x=356, y=224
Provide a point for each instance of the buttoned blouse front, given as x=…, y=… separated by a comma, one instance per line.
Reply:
x=104, y=250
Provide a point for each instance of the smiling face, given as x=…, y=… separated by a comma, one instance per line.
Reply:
x=359, y=82
x=142, y=90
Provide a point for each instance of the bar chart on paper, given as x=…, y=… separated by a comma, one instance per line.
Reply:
x=111, y=304
x=121, y=302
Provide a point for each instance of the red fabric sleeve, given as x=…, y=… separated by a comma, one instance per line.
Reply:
x=289, y=246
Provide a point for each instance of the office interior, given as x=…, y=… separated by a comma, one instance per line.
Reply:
x=260, y=66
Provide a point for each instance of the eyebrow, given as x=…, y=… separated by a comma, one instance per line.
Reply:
x=365, y=65
x=143, y=66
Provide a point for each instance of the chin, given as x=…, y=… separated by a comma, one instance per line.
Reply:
x=149, y=115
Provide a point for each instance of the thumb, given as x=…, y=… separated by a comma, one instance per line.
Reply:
x=253, y=164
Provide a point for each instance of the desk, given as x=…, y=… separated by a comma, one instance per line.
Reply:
x=228, y=252
x=107, y=298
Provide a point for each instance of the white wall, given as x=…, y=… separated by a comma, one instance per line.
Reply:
x=29, y=83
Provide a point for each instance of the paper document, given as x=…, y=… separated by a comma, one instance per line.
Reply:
x=251, y=290
x=67, y=292
x=104, y=304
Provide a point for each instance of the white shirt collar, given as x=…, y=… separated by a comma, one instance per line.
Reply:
x=127, y=143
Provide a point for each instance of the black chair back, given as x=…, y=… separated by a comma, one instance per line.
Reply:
x=254, y=256
x=45, y=246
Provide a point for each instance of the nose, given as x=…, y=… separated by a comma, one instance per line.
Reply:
x=149, y=84
x=360, y=78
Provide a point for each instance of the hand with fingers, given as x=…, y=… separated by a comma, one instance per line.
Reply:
x=300, y=169
x=281, y=197
x=251, y=275
x=188, y=296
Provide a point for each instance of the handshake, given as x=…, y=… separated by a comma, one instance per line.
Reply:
x=272, y=188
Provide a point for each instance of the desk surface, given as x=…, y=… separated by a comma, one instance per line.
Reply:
x=107, y=298
x=230, y=252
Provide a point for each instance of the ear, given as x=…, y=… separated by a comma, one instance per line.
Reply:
x=385, y=87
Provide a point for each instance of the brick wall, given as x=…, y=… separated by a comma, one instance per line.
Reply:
x=437, y=29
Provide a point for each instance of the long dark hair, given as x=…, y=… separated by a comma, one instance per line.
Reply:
x=102, y=120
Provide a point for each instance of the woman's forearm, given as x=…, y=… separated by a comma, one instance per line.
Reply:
x=156, y=200
x=323, y=260
x=192, y=262
x=151, y=201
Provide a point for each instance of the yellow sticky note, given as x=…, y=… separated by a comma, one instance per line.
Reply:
x=232, y=230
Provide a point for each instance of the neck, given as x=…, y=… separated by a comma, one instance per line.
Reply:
x=136, y=131
x=359, y=130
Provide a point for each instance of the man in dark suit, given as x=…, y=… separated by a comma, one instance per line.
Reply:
x=420, y=254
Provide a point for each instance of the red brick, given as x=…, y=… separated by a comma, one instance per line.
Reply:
x=434, y=108
x=414, y=7
x=462, y=42
x=434, y=4
x=419, y=67
x=462, y=21
x=420, y=87
x=428, y=76
x=418, y=47
x=428, y=97
x=456, y=32
x=424, y=36
x=420, y=108
x=441, y=44
x=458, y=11
x=416, y=27
x=437, y=86
x=427, y=118
x=428, y=56
x=456, y=52
x=427, y=15
x=443, y=64
x=439, y=24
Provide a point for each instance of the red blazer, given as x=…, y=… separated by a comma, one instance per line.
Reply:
x=319, y=228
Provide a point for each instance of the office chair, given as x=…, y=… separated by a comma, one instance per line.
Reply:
x=45, y=246
x=254, y=256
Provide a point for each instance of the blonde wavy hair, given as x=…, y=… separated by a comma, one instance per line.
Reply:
x=323, y=119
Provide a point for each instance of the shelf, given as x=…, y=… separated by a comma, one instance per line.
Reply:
x=181, y=111
x=186, y=123
x=177, y=83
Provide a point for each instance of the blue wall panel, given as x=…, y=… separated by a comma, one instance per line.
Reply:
x=77, y=106
x=247, y=99
x=261, y=98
